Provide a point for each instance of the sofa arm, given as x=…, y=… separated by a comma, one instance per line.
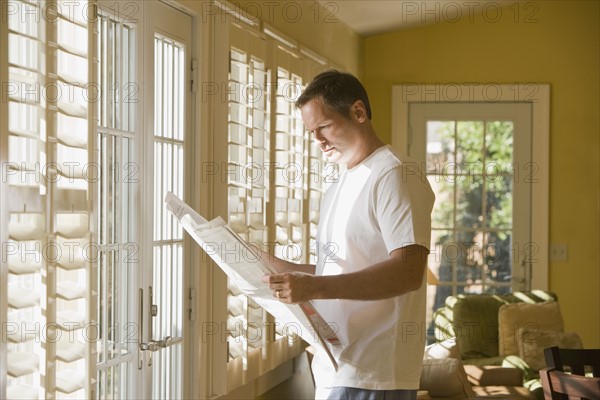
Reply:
x=445, y=378
x=494, y=376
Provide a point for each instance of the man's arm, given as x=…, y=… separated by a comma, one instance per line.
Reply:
x=401, y=273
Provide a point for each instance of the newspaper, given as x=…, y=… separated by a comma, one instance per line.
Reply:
x=240, y=262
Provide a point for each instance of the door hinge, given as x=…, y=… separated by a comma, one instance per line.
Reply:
x=94, y=11
x=194, y=67
x=191, y=305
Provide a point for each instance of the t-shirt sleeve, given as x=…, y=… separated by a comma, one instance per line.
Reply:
x=403, y=203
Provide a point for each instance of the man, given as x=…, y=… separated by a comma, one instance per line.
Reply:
x=373, y=239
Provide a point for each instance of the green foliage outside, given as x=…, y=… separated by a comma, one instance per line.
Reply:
x=470, y=169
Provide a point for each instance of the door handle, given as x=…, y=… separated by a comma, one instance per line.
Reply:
x=141, y=330
x=155, y=345
x=152, y=345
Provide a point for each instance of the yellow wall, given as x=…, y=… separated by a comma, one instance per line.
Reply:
x=555, y=42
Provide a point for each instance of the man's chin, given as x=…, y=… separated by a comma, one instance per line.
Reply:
x=333, y=154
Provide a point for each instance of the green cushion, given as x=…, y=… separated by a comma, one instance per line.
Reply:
x=535, y=387
x=443, y=329
x=518, y=362
x=476, y=325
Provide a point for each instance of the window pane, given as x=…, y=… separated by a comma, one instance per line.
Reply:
x=440, y=147
x=498, y=257
x=443, y=209
x=499, y=201
x=469, y=200
x=469, y=146
x=499, y=143
x=441, y=262
x=469, y=264
x=443, y=254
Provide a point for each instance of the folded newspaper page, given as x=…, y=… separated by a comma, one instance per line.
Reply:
x=240, y=262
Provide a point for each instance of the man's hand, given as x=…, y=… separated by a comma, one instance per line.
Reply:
x=291, y=287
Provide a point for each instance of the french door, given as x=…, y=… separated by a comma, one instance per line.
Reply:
x=143, y=120
x=476, y=156
x=166, y=259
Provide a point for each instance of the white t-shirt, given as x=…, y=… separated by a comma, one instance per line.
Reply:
x=382, y=204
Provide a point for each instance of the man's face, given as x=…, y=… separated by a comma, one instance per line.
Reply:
x=335, y=134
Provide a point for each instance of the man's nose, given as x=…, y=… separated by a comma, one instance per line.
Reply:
x=318, y=137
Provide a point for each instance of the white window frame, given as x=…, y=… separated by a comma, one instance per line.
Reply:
x=4, y=214
x=535, y=93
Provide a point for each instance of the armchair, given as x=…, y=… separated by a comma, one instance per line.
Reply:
x=504, y=330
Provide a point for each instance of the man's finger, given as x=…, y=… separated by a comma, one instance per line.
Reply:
x=273, y=278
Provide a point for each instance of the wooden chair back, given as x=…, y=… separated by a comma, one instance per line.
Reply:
x=559, y=385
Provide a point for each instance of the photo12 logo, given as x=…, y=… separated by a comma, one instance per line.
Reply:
x=66, y=93
x=66, y=252
x=290, y=12
x=36, y=173
x=470, y=11
x=36, y=11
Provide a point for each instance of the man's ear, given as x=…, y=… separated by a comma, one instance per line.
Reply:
x=359, y=111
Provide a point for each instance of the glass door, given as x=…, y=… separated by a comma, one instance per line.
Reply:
x=143, y=62
x=476, y=157
x=165, y=258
